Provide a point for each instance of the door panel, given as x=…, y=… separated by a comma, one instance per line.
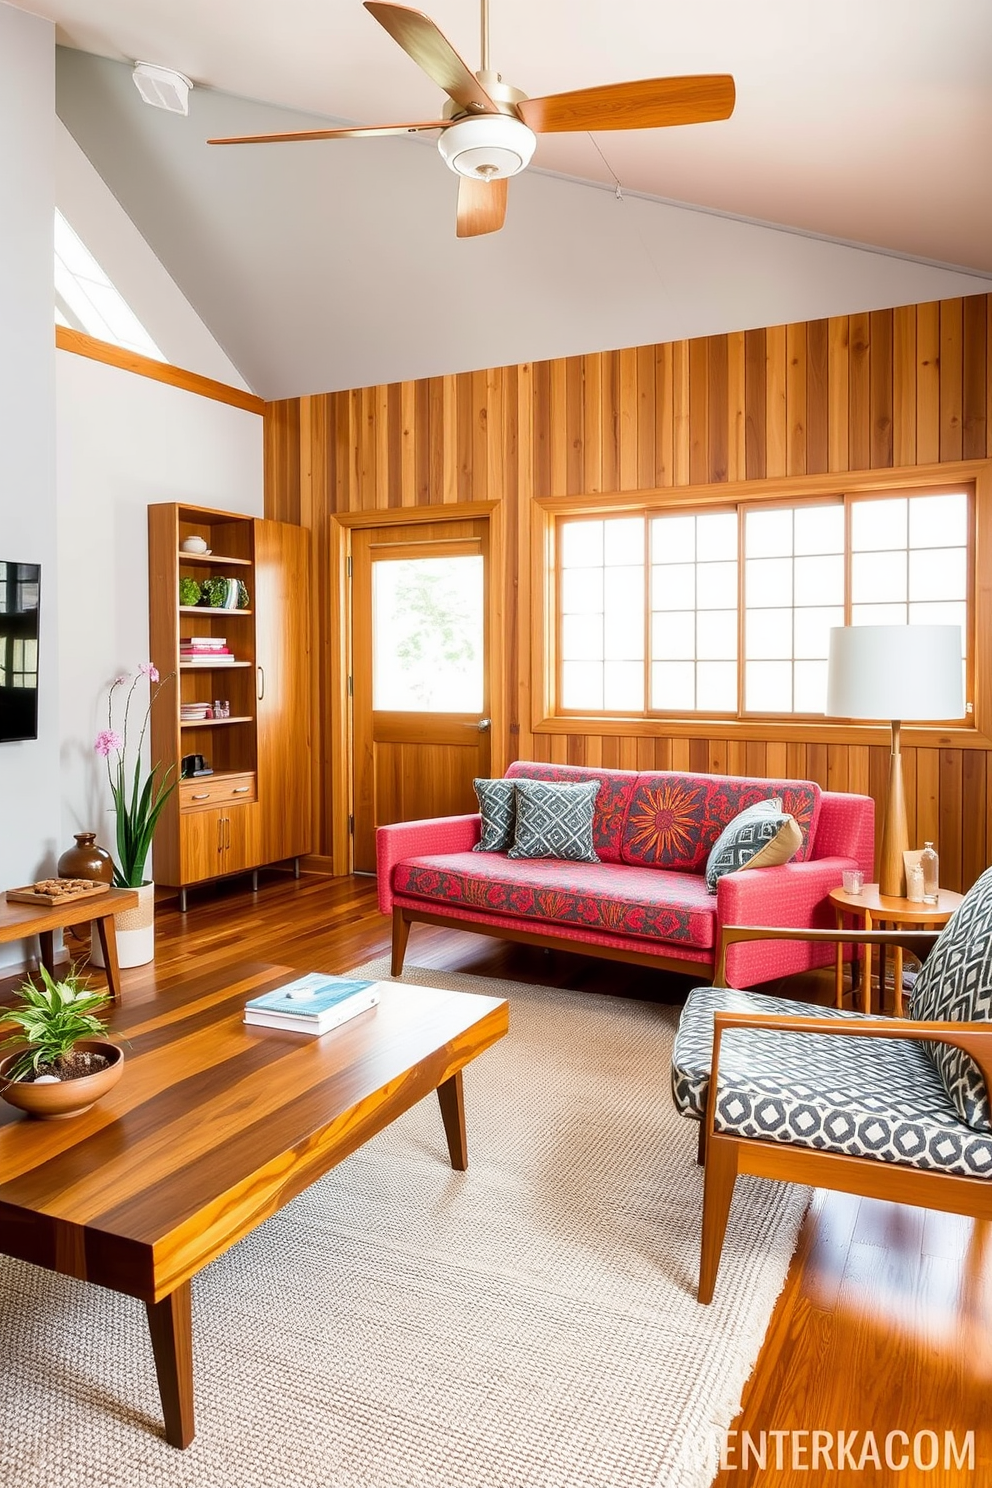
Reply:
x=420, y=674
x=282, y=688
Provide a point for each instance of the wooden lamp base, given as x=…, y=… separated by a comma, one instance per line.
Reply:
x=895, y=831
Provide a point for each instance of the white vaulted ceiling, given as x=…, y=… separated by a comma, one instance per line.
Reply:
x=325, y=265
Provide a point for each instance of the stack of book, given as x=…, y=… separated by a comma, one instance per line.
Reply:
x=205, y=651
x=313, y=1004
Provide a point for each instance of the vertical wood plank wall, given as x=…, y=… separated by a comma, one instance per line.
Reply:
x=879, y=390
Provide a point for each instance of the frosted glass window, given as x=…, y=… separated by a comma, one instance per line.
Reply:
x=654, y=609
x=793, y=593
x=694, y=597
x=602, y=614
x=427, y=635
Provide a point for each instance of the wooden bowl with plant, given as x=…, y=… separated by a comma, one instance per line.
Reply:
x=63, y=1057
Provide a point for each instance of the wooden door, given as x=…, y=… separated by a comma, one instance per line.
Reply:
x=219, y=840
x=420, y=674
x=282, y=688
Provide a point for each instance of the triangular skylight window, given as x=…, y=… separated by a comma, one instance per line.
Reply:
x=85, y=299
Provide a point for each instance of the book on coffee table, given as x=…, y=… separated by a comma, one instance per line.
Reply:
x=314, y=1003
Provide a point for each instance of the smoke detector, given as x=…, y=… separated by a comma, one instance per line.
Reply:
x=162, y=87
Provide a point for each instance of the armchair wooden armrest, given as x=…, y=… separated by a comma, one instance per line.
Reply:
x=919, y=941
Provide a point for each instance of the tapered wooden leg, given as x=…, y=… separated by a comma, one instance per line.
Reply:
x=47, y=939
x=701, y=1145
x=718, y=1190
x=107, y=931
x=170, y=1323
x=401, y=934
x=452, y=1103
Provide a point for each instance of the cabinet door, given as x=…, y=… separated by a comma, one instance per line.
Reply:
x=219, y=841
x=282, y=654
x=202, y=849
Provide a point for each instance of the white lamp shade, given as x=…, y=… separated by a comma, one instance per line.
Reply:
x=895, y=672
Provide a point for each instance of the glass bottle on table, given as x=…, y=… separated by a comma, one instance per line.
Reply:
x=929, y=864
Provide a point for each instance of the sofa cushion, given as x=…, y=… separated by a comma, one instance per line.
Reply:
x=877, y=1098
x=955, y=986
x=554, y=820
x=763, y=836
x=498, y=809
x=615, y=790
x=674, y=819
x=644, y=902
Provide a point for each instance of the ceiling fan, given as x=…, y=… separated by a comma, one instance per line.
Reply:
x=489, y=129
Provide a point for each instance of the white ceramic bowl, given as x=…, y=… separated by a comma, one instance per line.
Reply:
x=195, y=545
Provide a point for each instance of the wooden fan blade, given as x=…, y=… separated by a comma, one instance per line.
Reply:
x=432, y=51
x=481, y=206
x=652, y=103
x=358, y=132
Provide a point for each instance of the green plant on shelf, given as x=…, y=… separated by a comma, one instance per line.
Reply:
x=190, y=592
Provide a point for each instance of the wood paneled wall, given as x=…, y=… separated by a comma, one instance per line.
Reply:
x=875, y=391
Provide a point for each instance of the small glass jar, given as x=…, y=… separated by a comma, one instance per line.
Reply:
x=914, y=885
x=929, y=865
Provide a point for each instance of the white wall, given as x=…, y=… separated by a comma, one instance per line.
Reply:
x=124, y=442
x=30, y=835
x=90, y=207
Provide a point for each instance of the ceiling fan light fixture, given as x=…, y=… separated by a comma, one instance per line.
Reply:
x=488, y=148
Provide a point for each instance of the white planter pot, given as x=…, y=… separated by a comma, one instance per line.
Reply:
x=135, y=932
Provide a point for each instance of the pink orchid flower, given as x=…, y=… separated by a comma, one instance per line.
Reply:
x=150, y=670
x=108, y=741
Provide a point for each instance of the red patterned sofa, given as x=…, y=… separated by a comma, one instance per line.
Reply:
x=646, y=900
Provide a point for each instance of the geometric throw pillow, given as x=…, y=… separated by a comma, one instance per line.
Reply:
x=497, y=803
x=955, y=986
x=554, y=820
x=761, y=836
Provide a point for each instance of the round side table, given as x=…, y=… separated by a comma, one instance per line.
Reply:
x=882, y=912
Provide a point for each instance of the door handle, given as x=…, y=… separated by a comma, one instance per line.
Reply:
x=260, y=687
x=484, y=725
x=220, y=834
x=227, y=834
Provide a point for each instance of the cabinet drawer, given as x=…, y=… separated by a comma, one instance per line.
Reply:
x=216, y=790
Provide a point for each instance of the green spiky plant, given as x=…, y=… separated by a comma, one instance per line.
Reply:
x=52, y=1020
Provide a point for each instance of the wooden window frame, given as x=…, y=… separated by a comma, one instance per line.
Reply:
x=972, y=475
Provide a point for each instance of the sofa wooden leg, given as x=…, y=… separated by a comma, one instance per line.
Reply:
x=701, y=1145
x=718, y=1191
x=401, y=934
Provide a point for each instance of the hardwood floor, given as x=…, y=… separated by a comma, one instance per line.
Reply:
x=885, y=1323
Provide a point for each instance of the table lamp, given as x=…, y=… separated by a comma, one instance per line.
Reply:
x=895, y=672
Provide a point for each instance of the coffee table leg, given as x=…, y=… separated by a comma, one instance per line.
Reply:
x=452, y=1104
x=107, y=931
x=170, y=1323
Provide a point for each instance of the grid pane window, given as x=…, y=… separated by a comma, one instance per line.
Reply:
x=793, y=594
x=602, y=615
x=694, y=613
x=657, y=613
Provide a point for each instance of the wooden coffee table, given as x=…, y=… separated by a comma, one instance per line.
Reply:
x=214, y=1126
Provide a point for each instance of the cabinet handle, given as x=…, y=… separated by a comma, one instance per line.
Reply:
x=260, y=690
x=240, y=790
x=203, y=796
x=220, y=834
x=227, y=835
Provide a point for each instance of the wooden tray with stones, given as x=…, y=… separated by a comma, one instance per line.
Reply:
x=50, y=892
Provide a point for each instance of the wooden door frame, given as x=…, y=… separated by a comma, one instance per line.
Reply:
x=342, y=525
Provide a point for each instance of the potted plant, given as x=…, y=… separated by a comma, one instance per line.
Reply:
x=64, y=1060
x=139, y=796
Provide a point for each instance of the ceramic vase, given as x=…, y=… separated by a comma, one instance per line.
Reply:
x=135, y=932
x=86, y=860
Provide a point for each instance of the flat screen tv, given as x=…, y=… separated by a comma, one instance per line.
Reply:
x=20, y=589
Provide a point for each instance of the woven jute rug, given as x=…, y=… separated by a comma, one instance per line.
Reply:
x=531, y=1323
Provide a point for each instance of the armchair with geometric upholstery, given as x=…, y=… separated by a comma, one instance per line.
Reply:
x=891, y=1108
